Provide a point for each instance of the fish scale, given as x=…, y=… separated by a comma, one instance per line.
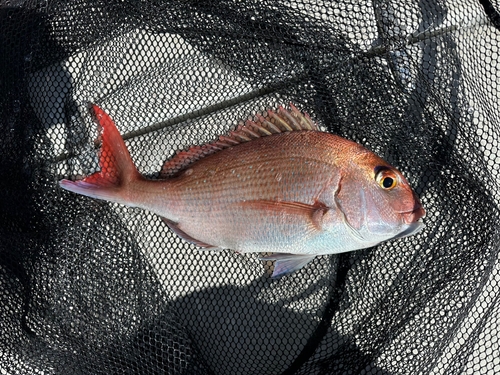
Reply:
x=241, y=179
x=275, y=185
x=217, y=191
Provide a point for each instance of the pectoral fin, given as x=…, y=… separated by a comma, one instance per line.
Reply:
x=310, y=216
x=288, y=263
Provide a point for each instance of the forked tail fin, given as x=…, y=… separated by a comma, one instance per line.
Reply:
x=117, y=167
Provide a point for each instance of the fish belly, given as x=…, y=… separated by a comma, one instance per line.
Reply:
x=253, y=227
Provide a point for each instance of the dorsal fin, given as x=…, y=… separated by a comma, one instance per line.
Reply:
x=280, y=122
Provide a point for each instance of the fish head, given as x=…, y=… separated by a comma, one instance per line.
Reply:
x=376, y=201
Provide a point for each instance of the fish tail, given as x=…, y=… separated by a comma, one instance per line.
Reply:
x=117, y=168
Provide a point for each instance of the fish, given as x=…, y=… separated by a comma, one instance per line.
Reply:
x=276, y=184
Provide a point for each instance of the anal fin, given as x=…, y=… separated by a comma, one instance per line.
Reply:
x=288, y=263
x=175, y=228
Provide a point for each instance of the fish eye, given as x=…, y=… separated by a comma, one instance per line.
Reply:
x=387, y=182
x=386, y=179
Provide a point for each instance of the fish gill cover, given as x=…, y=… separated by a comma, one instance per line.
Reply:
x=92, y=287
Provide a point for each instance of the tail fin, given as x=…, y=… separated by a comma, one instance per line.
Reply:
x=117, y=167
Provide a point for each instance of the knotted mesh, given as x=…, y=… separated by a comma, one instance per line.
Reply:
x=91, y=287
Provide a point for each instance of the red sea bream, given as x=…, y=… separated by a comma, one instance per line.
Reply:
x=276, y=185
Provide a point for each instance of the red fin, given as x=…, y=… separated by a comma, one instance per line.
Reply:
x=175, y=228
x=117, y=168
x=313, y=214
x=283, y=121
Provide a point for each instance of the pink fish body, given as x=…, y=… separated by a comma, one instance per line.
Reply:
x=279, y=185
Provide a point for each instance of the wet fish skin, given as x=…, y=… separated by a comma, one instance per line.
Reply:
x=302, y=192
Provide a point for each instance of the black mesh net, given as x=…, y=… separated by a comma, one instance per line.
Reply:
x=92, y=287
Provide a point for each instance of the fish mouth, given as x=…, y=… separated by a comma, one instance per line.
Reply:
x=411, y=219
x=414, y=215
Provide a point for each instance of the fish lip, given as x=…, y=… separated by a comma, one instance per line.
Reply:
x=414, y=215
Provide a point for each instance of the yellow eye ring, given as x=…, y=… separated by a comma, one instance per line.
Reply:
x=387, y=182
x=387, y=179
